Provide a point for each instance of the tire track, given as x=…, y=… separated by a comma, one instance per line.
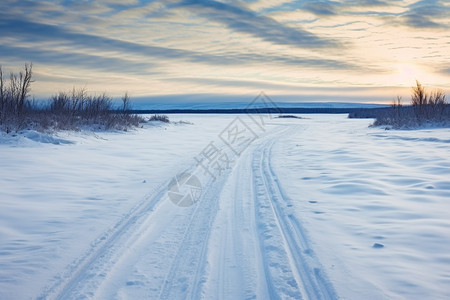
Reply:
x=187, y=273
x=301, y=273
x=187, y=276
x=77, y=281
x=313, y=276
x=232, y=258
x=280, y=279
x=285, y=266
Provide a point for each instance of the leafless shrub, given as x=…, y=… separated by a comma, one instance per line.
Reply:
x=426, y=109
x=419, y=100
x=14, y=97
x=162, y=118
x=397, y=103
x=419, y=96
x=437, y=104
x=2, y=93
x=64, y=111
x=80, y=109
x=126, y=106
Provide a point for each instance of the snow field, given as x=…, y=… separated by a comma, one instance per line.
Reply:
x=375, y=204
x=316, y=208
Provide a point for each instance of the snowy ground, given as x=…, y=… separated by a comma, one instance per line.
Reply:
x=316, y=208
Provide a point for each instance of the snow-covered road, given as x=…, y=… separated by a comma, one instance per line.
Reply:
x=276, y=221
x=239, y=241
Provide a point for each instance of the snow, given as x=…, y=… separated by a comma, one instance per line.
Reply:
x=322, y=207
x=379, y=200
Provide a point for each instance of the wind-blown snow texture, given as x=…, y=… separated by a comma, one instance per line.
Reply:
x=317, y=208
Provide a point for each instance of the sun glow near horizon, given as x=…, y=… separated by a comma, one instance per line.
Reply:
x=406, y=74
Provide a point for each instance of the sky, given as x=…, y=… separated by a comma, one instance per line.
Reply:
x=302, y=51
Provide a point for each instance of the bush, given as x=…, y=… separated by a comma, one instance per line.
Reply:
x=162, y=118
x=426, y=109
x=429, y=107
x=289, y=117
x=63, y=111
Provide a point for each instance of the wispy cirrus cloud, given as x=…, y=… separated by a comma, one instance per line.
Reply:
x=419, y=14
x=241, y=19
x=33, y=32
x=261, y=5
x=427, y=14
x=334, y=8
x=227, y=46
x=80, y=60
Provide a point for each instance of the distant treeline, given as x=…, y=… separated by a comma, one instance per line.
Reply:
x=265, y=110
x=368, y=113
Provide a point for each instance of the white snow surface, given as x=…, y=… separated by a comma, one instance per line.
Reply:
x=317, y=208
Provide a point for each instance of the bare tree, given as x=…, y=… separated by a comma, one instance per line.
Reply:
x=397, y=102
x=126, y=103
x=19, y=88
x=419, y=96
x=2, y=91
x=397, y=108
x=25, y=87
x=437, y=104
x=437, y=98
x=419, y=100
x=2, y=96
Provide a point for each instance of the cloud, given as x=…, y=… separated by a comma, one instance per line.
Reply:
x=332, y=8
x=121, y=2
x=38, y=32
x=321, y=8
x=242, y=20
x=222, y=82
x=33, y=32
x=268, y=4
x=418, y=20
x=430, y=14
x=91, y=8
x=151, y=10
x=368, y=3
x=445, y=71
x=427, y=14
x=225, y=46
x=69, y=60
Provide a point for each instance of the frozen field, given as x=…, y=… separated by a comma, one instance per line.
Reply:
x=315, y=208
